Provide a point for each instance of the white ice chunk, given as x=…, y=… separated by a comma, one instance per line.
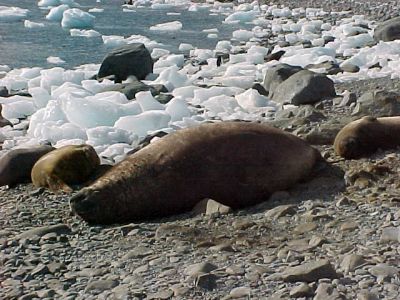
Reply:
x=96, y=10
x=159, y=52
x=40, y=96
x=106, y=135
x=17, y=107
x=84, y=33
x=242, y=35
x=171, y=78
x=30, y=24
x=251, y=99
x=169, y=26
x=223, y=45
x=221, y=103
x=110, y=96
x=185, y=47
x=11, y=14
x=242, y=16
x=177, y=108
x=46, y=3
x=56, y=13
x=145, y=122
x=202, y=94
x=147, y=101
x=116, y=152
x=170, y=60
x=76, y=18
x=96, y=87
x=185, y=92
x=55, y=60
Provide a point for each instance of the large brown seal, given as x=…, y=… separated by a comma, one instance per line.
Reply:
x=235, y=163
x=16, y=165
x=366, y=135
x=65, y=166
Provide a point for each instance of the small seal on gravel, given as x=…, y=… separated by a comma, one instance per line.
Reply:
x=68, y=165
x=366, y=135
x=237, y=164
x=16, y=165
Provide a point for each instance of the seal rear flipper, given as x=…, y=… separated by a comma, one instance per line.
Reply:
x=55, y=184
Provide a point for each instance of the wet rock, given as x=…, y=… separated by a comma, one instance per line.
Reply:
x=310, y=271
x=304, y=87
x=132, y=59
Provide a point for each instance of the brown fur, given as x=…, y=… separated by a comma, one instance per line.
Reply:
x=366, y=135
x=65, y=166
x=235, y=163
x=16, y=165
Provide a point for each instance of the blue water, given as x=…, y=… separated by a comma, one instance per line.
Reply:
x=25, y=47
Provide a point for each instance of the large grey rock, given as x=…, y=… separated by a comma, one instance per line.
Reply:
x=388, y=30
x=304, y=87
x=378, y=104
x=276, y=75
x=309, y=272
x=132, y=59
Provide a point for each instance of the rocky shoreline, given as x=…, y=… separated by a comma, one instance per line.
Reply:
x=334, y=237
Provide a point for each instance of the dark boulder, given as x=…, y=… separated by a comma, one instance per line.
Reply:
x=132, y=59
x=276, y=75
x=304, y=87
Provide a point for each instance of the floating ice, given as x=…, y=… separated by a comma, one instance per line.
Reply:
x=55, y=60
x=212, y=36
x=116, y=40
x=56, y=13
x=48, y=2
x=185, y=92
x=169, y=26
x=30, y=24
x=96, y=10
x=76, y=18
x=145, y=122
x=161, y=6
x=185, y=47
x=84, y=33
x=242, y=16
x=11, y=14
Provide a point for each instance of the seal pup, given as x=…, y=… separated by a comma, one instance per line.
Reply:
x=65, y=166
x=366, y=135
x=235, y=163
x=16, y=165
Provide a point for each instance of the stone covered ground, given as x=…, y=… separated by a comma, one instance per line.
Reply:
x=334, y=237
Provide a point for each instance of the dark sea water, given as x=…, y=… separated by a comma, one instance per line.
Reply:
x=26, y=47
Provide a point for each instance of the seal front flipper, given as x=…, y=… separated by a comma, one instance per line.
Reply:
x=55, y=184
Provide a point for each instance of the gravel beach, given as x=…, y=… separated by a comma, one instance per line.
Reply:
x=334, y=237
